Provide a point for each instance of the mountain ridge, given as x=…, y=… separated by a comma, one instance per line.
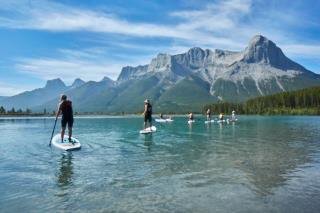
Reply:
x=184, y=82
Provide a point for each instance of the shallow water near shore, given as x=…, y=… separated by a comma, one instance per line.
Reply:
x=260, y=164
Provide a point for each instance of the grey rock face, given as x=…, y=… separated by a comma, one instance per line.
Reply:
x=262, y=50
x=77, y=83
x=260, y=69
x=55, y=84
x=129, y=72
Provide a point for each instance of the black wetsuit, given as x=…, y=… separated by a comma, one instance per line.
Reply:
x=67, y=114
x=148, y=114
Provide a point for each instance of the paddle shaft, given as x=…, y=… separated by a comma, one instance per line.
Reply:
x=55, y=122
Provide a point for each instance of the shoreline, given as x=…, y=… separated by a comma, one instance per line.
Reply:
x=94, y=116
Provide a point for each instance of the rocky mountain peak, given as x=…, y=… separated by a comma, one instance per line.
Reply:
x=55, y=84
x=107, y=80
x=160, y=63
x=128, y=72
x=195, y=57
x=195, y=51
x=262, y=50
x=77, y=83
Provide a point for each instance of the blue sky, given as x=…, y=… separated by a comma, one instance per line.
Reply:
x=42, y=39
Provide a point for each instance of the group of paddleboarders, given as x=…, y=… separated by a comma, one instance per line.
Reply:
x=221, y=115
x=148, y=115
x=65, y=109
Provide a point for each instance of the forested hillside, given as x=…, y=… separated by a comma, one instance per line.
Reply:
x=304, y=102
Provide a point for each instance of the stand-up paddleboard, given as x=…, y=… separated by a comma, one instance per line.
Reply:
x=221, y=121
x=232, y=120
x=161, y=120
x=191, y=121
x=65, y=144
x=207, y=122
x=148, y=130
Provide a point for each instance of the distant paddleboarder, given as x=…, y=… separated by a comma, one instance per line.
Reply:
x=208, y=114
x=233, y=115
x=147, y=113
x=191, y=117
x=221, y=117
x=65, y=108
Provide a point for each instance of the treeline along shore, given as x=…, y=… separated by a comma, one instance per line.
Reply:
x=300, y=102
x=20, y=112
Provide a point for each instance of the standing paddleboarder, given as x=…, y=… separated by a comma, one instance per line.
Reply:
x=208, y=115
x=147, y=113
x=221, y=117
x=233, y=116
x=65, y=108
x=191, y=117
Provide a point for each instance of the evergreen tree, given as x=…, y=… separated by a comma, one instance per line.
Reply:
x=2, y=110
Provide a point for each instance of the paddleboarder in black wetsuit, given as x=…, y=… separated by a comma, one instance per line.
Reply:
x=65, y=108
x=147, y=113
x=208, y=115
x=191, y=117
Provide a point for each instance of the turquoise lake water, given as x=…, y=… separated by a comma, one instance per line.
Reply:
x=260, y=164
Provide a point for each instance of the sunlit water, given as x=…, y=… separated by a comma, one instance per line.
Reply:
x=260, y=164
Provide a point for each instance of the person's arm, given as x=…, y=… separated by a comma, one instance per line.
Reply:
x=145, y=109
x=58, y=111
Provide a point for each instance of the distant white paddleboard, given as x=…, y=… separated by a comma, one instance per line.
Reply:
x=191, y=121
x=148, y=130
x=207, y=122
x=160, y=120
x=221, y=121
x=232, y=120
x=65, y=144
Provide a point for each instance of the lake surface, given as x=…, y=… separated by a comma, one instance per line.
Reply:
x=260, y=164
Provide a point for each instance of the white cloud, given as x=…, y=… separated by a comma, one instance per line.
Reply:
x=87, y=64
x=51, y=16
x=67, y=69
x=57, y=17
x=217, y=25
x=12, y=89
x=303, y=50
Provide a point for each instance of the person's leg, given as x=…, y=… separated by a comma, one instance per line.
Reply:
x=150, y=121
x=145, y=122
x=63, y=128
x=70, y=125
x=70, y=132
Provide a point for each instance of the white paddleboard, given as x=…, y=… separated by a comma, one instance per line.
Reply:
x=65, y=145
x=221, y=121
x=233, y=120
x=161, y=120
x=191, y=121
x=148, y=130
x=207, y=122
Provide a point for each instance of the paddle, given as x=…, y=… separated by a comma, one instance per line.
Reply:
x=55, y=122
